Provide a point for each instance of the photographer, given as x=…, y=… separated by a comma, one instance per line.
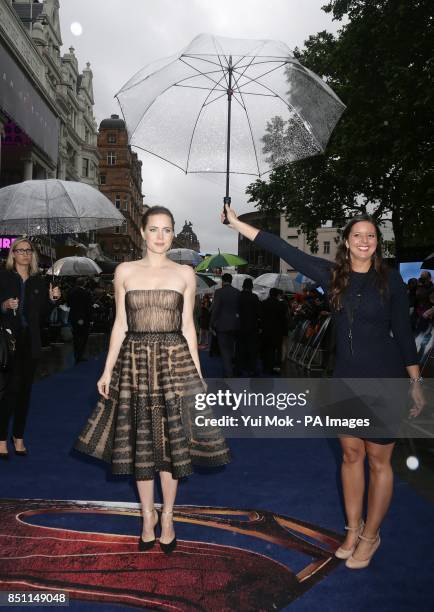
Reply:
x=25, y=301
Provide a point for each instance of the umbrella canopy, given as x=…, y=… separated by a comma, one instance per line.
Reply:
x=204, y=284
x=74, y=266
x=185, y=256
x=52, y=206
x=221, y=260
x=238, y=279
x=229, y=105
x=428, y=263
x=279, y=281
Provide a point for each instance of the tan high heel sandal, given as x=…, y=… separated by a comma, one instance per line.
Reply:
x=353, y=563
x=170, y=546
x=345, y=553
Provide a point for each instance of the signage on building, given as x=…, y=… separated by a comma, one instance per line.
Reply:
x=20, y=100
x=6, y=242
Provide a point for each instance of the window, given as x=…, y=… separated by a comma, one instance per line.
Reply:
x=102, y=179
x=111, y=158
x=118, y=201
x=126, y=203
x=117, y=230
x=125, y=227
x=111, y=138
x=85, y=167
x=326, y=247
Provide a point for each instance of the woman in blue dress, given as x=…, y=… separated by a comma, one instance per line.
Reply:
x=368, y=301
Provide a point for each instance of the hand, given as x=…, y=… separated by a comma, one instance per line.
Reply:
x=54, y=293
x=231, y=215
x=10, y=304
x=418, y=397
x=103, y=384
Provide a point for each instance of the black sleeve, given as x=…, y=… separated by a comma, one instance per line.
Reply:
x=46, y=304
x=316, y=268
x=400, y=319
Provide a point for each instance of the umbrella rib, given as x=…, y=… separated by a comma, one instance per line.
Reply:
x=197, y=87
x=215, y=99
x=205, y=74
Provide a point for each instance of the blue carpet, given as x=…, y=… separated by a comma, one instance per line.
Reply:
x=294, y=477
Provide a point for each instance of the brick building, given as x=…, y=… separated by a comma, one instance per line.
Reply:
x=186, y=239
x=120, y=178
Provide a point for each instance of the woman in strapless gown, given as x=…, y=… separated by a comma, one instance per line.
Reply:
x=144, y=422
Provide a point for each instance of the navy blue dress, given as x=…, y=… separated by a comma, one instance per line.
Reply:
x=383, y=343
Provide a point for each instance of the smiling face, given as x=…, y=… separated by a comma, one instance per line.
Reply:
x=362, y=241
x=158, y=233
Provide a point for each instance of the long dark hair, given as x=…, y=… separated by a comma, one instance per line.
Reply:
x=342, y=266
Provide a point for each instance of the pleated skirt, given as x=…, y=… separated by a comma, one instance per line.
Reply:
x=148, y=423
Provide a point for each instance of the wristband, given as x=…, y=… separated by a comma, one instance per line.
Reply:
x=418, y=379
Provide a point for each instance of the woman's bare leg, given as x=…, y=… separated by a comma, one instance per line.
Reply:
x=146, y=494
x=169, y=487
x=379, y=493
x=353, y=484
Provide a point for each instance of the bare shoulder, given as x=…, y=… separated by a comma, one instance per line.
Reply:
x=122, y=271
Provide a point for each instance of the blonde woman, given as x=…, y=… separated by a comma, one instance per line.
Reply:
x=25, y=300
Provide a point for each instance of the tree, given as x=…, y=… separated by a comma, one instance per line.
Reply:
x=380, y=157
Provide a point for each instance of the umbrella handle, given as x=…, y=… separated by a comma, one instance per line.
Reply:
x=226, y=200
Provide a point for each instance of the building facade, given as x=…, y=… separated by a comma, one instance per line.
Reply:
x=120, y=179
x=47, y=125
x=327, y=237
x=186, y=239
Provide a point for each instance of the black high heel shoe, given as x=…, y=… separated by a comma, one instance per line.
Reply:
x=144, y=546
x=20, y=453
x=170, y=546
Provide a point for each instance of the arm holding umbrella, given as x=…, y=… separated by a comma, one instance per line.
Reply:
x=316, y=268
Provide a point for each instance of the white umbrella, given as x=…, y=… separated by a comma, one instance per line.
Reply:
x=185, y=256
x=279, y=281
x=238, y=279
x=74, y=266
x=52, y=206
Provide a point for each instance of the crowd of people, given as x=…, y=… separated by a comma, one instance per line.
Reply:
x=250, y=335
x=253, y=337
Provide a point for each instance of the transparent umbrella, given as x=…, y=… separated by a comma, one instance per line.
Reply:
x=185, y=256
x=229, y=105
x=52, y=206
x=279, y=281
x=74, y=266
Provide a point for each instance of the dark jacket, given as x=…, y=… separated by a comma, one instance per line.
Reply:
x=274, y=320
x=224, y=314
x=249, y=309
x=37, y=305
x=80, y=301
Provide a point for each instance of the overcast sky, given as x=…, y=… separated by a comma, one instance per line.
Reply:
x=121, y=36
